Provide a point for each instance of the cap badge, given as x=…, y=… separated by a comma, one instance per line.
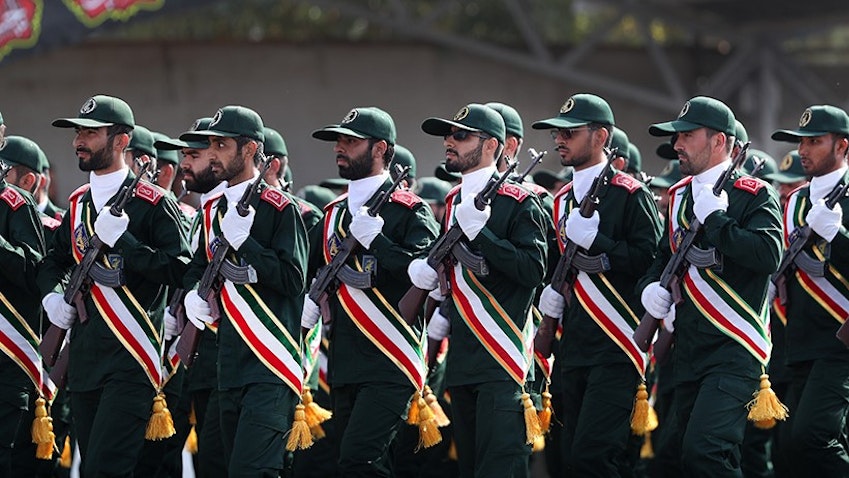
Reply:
x=88, y=106
x=351, y=116
x=461, y=115
x=568, y=105
x=786, y=162
x=684, y=110
x=195, y=125
x=216, y=118
x=805, y=119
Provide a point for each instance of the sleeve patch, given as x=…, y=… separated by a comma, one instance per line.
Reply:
x=514, y=191
x=149, y=193
x=275, y=198
x=49, y=222
x=406, y=198
x=624, y=181
x=749, y=184
x=13, y=198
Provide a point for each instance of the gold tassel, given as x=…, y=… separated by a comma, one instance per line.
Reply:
x=65, y=461
x=317, y=432
x=42, y=431
x=532, y=426
x=765, y=408
x=300, y=436
x=413, y=413
x=429, y=434
x=539, y=444
x=315, y=415
x=647, y=451
x=640, y=415
x=438, y=413
x=546, y=412
x=192, y=441
x=161, y=425
x=653, y=423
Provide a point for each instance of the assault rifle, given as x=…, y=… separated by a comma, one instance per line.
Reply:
x=670, y=278
x=564, y=273
x=446, y=248
x=326, y=277
x=211, y=281
x=536, y=158
x=4, y=170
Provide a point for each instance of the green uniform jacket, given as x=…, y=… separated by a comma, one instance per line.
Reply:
x=54, y=211
x=628, y=234
x=409, y=229
x=277, y=248
x=513, y=241
x=154, y=252
x=748, y=235
x=21, y=248
x=810, y=328
x=313, y=218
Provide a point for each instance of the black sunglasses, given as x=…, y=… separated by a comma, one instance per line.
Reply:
x=462, y=135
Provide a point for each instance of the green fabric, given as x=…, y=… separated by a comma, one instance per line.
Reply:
x=17, y=150
x=361, y=123
x=700, y=111
x=99, y=111
x=817, y=120
x=472, y=117
x=579, y=110
x=229, y=122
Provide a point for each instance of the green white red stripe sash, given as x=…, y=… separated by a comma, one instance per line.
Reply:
x=312, y=346
x=210, y=230
x=171, y=363
x=322, y=366
x=263, y=333
x=677, y=211
x=20, y=343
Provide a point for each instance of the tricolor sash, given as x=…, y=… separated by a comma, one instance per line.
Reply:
x=171, y=361
x=322, y=366
x=20, y=343
x=210, y=231
x=678, y=220
x=312, y=347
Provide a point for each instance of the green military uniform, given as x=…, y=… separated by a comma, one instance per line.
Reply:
x=715, y=374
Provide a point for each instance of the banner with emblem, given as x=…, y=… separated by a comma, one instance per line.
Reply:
x=94, y=12
x=20, y=24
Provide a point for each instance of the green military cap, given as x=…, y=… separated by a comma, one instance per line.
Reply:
x=740, y=132
x=433, y=190
x=547, y=179
x=230, y=122
x=441, y=173
x=288, y=177
x=620, y=142
x=45, y=163
x=317, y=195
x=274, y=143
x=403, y=157
x=670, y=175
x=99, y=111
x=472, y=117
x=755, y=156
x=1, y=119
x=667, y=151
x=17, y=150
x=169, y=155
x=512, y=120
x=195, y=143
x=817, y=120
x=698, y=112
x=142, y=141
x=790, y=169
x=579, y=110
x=635, y=159
x=364, y=122
x=334, y=183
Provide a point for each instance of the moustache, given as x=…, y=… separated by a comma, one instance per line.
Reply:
x=342, y=156
x=452, y=151
x=83, y=150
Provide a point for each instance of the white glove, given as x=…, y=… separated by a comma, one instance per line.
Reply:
x=656, y=300
x=60, y=313
x=170, y=325
x=582, y=230
x=109, y=228
x=771, y=292
x=310, y=313
x=197, y=310
x=824, y=221
x=422, y=275
x=438, y=327
x=669, y=320
x=705, y=203
x=237, y=229
x=470, y=219
x=364, y=227
x=436, y=295
x=551, y=303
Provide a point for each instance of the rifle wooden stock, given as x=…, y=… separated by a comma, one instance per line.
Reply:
x=545, y=335
x=59, y=371
x=51, y=344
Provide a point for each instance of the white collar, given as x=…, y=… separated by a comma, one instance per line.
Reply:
x=709, y=176
x=234, y=193
x=822, y=185
x=214, y=191
x=42, y=206
x=104, y=186
x=361, y=190
x=474, y=182
x=583, y=179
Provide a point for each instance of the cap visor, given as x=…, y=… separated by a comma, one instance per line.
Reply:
x=331, y=133
x=445, y=175
x=172, y=144
x=664, y=183
x=792, y=136
x=441, y=127
x=671, y=127
x=79, y=122
x=667, y=151
x=783, y=178
x=334, y=183
x=559, y=123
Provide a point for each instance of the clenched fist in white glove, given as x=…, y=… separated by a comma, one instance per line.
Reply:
x=310, y=313
x=364, y=227
x=438, y=327
x=422, y=275
x=582, y=230
x=237, y=229
x=705, y=203
x=58, y=311
x=470, y=218
x=824, y=221
x=551, y=303
x=197, y=310
x=109, y=228
x=170, y=326
x=657, y=300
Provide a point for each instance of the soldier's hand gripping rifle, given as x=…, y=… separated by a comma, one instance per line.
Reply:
x=414, y=299
x=211, y=280
x=670, y=278
x=80, y=281
x=564, y=272
x=326, y=277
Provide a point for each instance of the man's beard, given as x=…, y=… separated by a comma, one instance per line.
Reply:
x=202, y=182
x=235, y=167
x=97, y=160
x=466, y=161
x=357, y=168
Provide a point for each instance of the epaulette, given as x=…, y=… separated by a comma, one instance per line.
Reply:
x=683, y=182
x=149, y=192
x=514, y=191
x=536, y=189
x=13, y=198
x=564, y=190
x=405, y=197
x=305, y=208
x=79, y=191
x=275, y=197
x=333, y=203
x=49, y=222
x=625, y=181
x=749, y=184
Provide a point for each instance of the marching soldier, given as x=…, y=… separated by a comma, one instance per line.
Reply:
x=115, y=328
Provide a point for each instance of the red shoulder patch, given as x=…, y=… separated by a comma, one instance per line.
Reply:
x=624, y=181
x=149, y=192
x=514, y=191
x=536, y=189
x=275, y=197
x=405, y=197
x=79, y=191
x=49, y=222
x=13, y=198
x=749, y=184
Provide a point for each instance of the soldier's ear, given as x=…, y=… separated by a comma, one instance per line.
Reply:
x=249, y=149
x=379, y=149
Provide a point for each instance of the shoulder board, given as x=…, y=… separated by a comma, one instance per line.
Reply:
x=564, y=190
x=275, y=197
x=336, y=201
x=50, y=222
x=680, y=183
x=625, y=181
x=514, y=191
x=536, y=189
x=305, y=209
x=406, y=198
x=13, y=198
x=749, y=184
x=79, y=191
x=149, y=192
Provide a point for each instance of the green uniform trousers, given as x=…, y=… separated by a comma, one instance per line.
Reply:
x=110, y=423
x=489, y=429
x=163, y=458
x=210, y=460
x=320, y=460
x=17, y=453
x=815, y=434
x=369, y=416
